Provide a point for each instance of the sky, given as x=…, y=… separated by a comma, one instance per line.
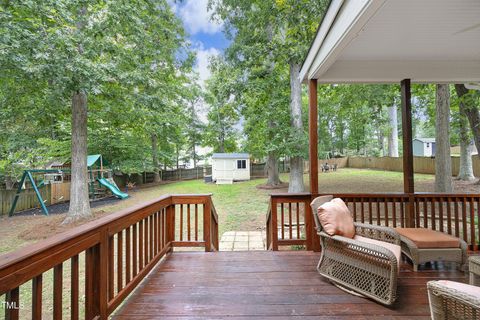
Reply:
x=206, y=35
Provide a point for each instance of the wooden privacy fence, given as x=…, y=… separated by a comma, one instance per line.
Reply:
x=424, y=165
x=455, y=214
x=28, y=199
x=97, y=265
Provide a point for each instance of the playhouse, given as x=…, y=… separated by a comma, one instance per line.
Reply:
x=229, y=167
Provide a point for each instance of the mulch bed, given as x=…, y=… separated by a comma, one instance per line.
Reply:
x=61, y=208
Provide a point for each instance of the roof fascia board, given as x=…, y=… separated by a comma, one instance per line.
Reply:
x=352, y=18
x=323, y=30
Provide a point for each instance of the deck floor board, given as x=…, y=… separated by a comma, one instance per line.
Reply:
x=267, y=285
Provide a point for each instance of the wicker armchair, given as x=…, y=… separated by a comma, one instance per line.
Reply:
x=361, y=268
x=447, y=302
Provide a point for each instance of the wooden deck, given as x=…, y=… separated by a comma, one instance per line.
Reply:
x=272, y=285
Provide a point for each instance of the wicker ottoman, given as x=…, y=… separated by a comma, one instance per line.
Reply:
x=474, y=269
x=422, y=245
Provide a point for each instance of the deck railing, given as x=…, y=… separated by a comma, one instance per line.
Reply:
x=455, y=214
x=91, y=269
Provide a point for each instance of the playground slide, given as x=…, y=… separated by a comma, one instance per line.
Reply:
x=119, y=194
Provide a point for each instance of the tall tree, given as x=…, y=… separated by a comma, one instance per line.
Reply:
x=393, y=134
x=469, y=100
x=443, y=160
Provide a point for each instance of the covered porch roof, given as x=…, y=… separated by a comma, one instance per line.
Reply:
x=385, y=41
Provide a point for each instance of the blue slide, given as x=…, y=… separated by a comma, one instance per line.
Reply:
x=119, y=194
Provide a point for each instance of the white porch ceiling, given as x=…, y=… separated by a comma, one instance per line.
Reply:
x=385, y=41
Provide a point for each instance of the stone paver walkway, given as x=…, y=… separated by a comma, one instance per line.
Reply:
x=243, y=241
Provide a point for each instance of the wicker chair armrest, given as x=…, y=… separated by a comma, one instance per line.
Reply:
x=375, y=251
x=380, y=233
x=438, y=289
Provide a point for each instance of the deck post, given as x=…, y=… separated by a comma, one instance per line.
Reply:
x=408, y=185
x=313, y=135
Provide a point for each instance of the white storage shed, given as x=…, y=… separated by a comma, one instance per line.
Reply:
x=424, y=147
x=229, y=167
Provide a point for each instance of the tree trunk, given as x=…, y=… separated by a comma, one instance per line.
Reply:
x=79, y=200
x=470, y=110
x=393, y=136
x=156, y=170
x=9, y=182
x=296, y=183
x=272, y=170
x=443, y=160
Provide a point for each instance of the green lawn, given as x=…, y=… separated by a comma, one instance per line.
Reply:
x=242, y=206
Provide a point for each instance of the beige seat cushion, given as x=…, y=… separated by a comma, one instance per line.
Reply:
x=462, y=287
x=395, y=249
x=426, y=238
x=336, y=219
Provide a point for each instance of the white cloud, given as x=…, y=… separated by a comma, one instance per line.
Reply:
x=196, y=17
x=203, y=57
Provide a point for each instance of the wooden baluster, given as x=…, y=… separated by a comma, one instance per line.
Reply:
x=93, y=265
x=57, y=291
x=162, y=228
x=74, y=288
x=128, y=253
x=449, y=216
x=111, y=267
x=134, y=251
x=425, y=213
x=119, y=261
x=151, y=238
x=282, y=220
x=402, y=213
x=196, y=222
x=146, y=239
x=417, y=211
x=170, y=224
x=181, y=223
x=379, y=218
x=159, y=231
x=370, y=213
x=394, y=212
x=140, y=245
x=207, y=226
x=298, y=220
x=464, y=219
x=472, y=225
x=274, y=218
x=440, y=213
x=363, y=210
x=386, y=212
x=433, y=216
x=154, y=235
x=188, y=222
x=12, y=304
x=354, y=203
x=457, y=219
x=290, y=219
x=37, y=296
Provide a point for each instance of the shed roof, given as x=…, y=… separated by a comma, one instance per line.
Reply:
x=426, y=140
x=385, y=41
x=230, y=156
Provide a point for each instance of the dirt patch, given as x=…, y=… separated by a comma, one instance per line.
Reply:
x=54, y=226
x=283, y=185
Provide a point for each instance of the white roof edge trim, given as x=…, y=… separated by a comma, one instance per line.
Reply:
x=355, y=25
x=326, y=23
